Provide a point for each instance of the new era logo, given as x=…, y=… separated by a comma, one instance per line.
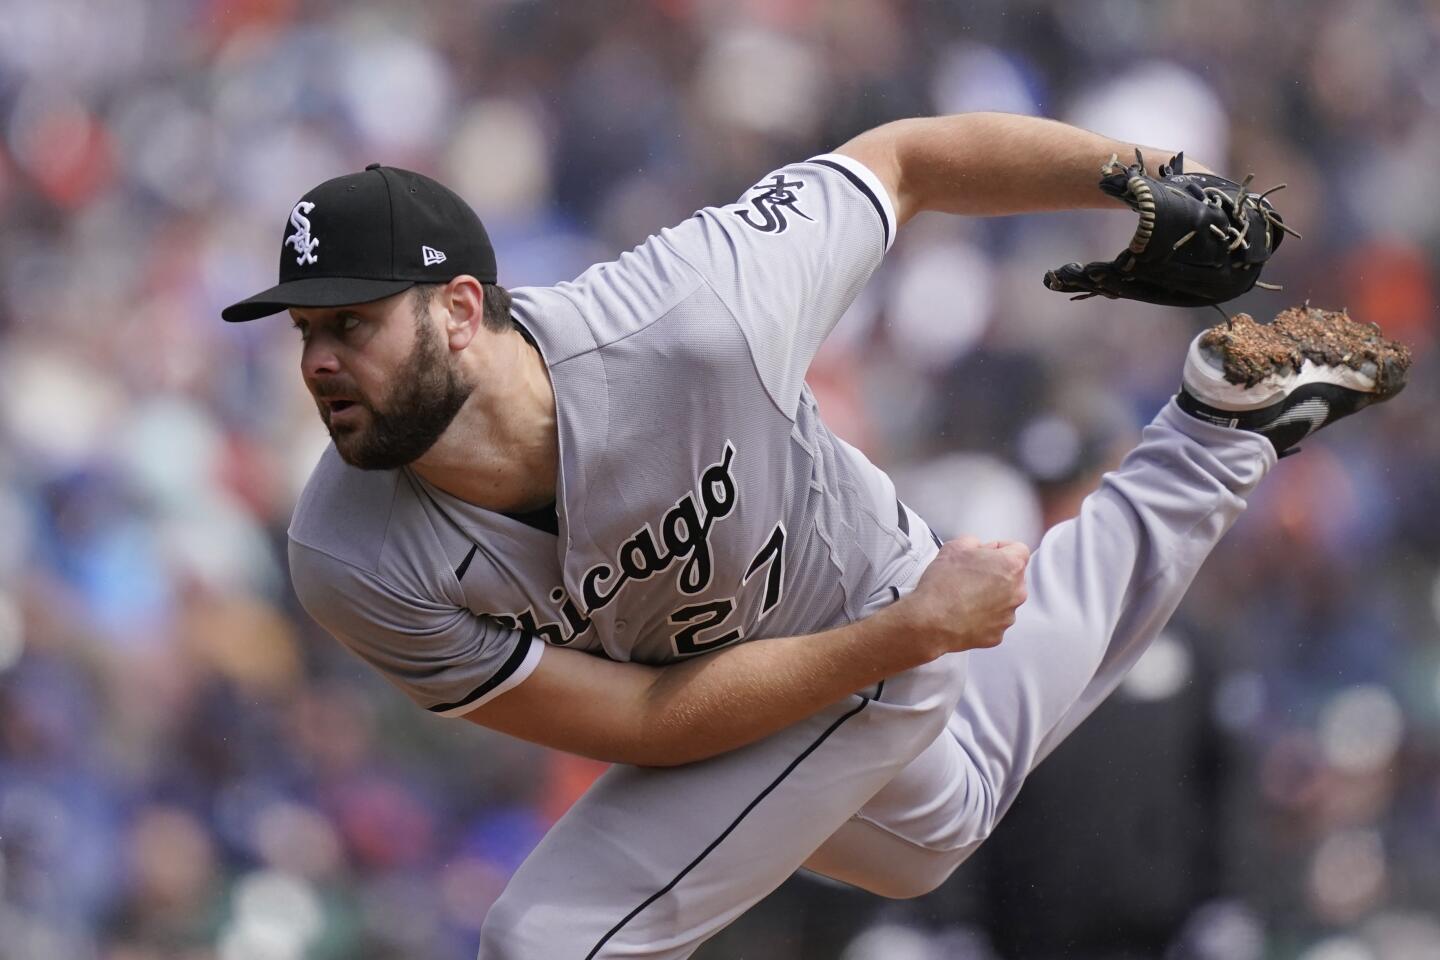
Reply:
x=432, y=256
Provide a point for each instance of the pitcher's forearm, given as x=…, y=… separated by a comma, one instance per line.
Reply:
x=992, y=164
x=699, y=708
x=713, y=704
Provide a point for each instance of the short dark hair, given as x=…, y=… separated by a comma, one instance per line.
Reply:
x=497, y=317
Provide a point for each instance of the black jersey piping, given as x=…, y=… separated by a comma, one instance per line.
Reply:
x=864, y=188
x=511, y=664
x=864, y=701
x=465, y=564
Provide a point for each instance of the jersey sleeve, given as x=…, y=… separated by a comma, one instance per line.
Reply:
x=789, y=257
x=448, y=659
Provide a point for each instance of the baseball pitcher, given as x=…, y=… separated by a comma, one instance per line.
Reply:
x=606, y=516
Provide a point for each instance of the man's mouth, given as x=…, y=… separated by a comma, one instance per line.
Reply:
x=338, y=410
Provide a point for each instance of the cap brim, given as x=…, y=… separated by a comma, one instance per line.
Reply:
x=313, y=292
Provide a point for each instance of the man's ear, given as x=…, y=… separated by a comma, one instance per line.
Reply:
x=464, y=302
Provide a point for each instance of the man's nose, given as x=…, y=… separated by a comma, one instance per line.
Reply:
x=318, y=360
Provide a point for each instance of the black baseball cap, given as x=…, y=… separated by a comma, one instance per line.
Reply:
x=369, y=235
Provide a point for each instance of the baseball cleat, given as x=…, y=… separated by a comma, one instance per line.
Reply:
x=1286, y=379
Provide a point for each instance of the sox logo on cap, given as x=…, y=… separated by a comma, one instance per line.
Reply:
x=301, y=240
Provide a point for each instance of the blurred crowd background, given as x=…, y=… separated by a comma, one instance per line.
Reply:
x=191, y=770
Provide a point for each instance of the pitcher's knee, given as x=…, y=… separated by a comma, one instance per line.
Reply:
x=916, y=877
x=915, y=885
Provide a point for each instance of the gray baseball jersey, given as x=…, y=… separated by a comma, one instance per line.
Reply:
x=701, y=500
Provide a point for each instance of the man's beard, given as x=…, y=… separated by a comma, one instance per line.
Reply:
x=428, y=392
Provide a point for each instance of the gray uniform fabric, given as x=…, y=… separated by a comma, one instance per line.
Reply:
x=703, y=503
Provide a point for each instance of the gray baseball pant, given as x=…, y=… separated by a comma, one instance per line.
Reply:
x=890, y=790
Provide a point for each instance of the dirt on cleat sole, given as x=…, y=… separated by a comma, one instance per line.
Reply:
x=1253, y=351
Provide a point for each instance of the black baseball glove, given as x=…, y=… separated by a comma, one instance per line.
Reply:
x=1202, y=239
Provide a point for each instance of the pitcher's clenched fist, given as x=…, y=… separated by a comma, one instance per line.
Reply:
x=967, y=597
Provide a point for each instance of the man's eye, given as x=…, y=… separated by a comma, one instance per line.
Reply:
x=350, y=323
